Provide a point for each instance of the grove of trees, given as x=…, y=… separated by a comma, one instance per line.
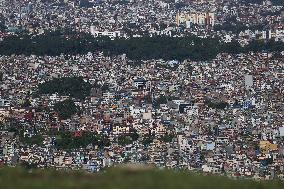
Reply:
x=144, y=48
x=67, y=140
x=74, y=87
x=66, y=109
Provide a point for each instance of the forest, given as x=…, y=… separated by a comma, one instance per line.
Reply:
x=144, y=48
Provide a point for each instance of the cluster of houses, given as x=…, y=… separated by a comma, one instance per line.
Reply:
x=134, y=18
x=223, y=116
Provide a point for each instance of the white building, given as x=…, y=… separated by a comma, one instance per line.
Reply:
x=110, y=34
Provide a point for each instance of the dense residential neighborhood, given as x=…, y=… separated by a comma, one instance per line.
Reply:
x=226, y=19
x=221, y=115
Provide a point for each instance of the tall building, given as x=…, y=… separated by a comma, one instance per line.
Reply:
x=248, y=81
x=199, y=18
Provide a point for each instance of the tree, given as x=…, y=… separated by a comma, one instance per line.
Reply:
x=66, y=109
x=73, y=86
x=216, y=104
x=124, y=140
x=68, y=140
x=134, y=135
x=167, y=138
x=2, y=27
x=2, y=23
x=137, y=49
x=147, y=139
x=1, y=76
x=162, y=100
x=26, y=104
x=36, y=139
x=27, y=165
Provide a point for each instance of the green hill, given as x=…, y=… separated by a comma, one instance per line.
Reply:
x=123, y=178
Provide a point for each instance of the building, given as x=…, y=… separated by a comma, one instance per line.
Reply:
x=248, y=81
x=141, y=83
x=198, y=18
x=110, y=34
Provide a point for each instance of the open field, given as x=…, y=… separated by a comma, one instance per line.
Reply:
x=123, y=178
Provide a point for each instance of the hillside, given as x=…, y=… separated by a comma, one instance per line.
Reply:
x=11, y=178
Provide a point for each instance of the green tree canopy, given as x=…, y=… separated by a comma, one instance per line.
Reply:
x=66, y=109
x=73, y=86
